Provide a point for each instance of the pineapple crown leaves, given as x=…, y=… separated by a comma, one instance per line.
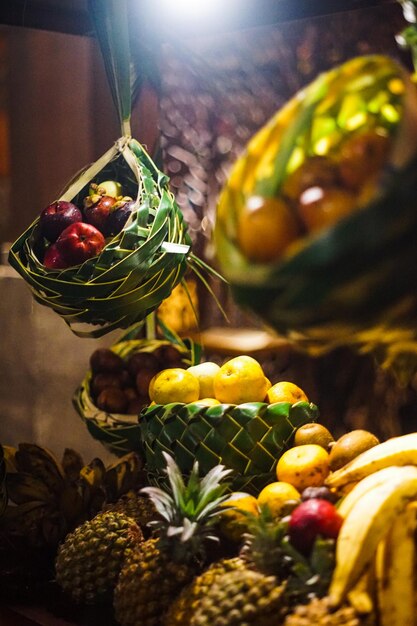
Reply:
x=188, y=509
x=309, y=577
x=268, y=548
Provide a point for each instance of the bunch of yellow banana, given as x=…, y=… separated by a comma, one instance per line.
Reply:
x=47, y=498
x=396, y=451
x=377, y=536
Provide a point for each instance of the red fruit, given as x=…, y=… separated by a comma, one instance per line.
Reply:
x=312, y=518
x=53, y=259
x=98, y=212
x=80, y=242
x=56, y=217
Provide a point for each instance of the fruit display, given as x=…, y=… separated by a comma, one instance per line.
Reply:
x=314, y=225
x=116, y=387
x=337, y=546
x=75, y=234
x=238, y=426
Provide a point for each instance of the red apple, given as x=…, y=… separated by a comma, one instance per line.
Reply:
x=312, y=518
x=97, y=209
x=53, y=258
x=80, y=242
x=56, y=217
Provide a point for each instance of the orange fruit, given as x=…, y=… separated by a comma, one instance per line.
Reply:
x=362, y=155
x=240, y=380
x=313, y=433
x=316, y=170
x=285, y=391
x=265, y=229
x=320, y=207
x=208, y=401
x=304, y=466
x=233, y=521
x=276, y=495
x=205, y=373
x=174, y=385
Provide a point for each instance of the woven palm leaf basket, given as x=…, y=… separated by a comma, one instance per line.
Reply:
x=247, y=438
x=120, y=432
x=354, y=281
x=139, y=266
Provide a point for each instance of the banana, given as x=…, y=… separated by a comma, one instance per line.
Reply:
x=360, y=596
x=366, y=485
x=366, y=524
x=94, y=473
x=23, y=488
x=395, y=572
x=41, y=463
x=396, y=451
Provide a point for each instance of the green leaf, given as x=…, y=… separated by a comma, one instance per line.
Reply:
x=111, y=22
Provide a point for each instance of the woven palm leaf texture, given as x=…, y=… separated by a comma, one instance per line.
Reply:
x=138, y=267
x=354, y=282
x=246, y=438
x=120, y=433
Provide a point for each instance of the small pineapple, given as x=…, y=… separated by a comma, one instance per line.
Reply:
x=241, y=597
x=181, y=610
x=268, y=549
x=138, y=507
x=155, y=573
x=90, y=559
x=318, y=612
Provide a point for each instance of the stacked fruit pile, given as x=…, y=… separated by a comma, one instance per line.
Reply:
x=318, y=193
x=120, y=384
x=75, y=234
x=302, y=552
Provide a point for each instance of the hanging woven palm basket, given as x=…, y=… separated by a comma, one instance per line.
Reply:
x=139, y=265
x=316, y=227
x=119, y=431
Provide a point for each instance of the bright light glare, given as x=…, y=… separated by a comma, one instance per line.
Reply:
x=191, y=11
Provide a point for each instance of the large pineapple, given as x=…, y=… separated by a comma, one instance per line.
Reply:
x=89, y=561
x=241, y=597
x=159, y=568
x=181, y=610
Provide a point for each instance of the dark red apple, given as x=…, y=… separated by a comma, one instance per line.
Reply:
x=309, y=520
x=97, y=210
x=56, y=217
x=53, y=259
x=80, y=242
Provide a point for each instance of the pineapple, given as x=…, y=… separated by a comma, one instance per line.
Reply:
x=136, y=506
x=241, y=597
x=268, y=550
x=49, y=498
x=90, y=559
x=159, y=568
x=317, y=612
x=181, y=610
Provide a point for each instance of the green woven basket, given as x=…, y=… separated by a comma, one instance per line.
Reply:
x=120, y=433
x=247, y=438
x=137, y=269
x=355, y=283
